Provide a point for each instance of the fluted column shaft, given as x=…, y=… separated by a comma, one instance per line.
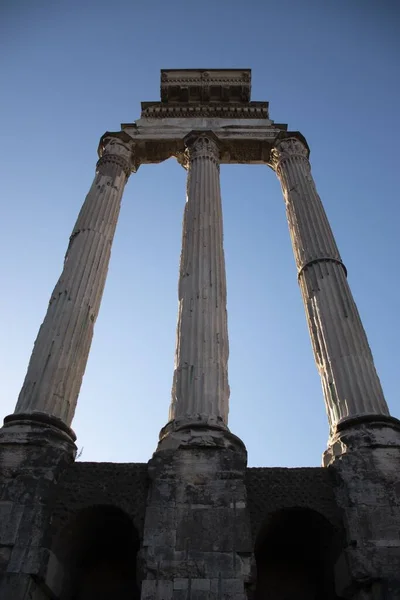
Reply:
x=200, y=390
x=61, y=350
x=350, y=383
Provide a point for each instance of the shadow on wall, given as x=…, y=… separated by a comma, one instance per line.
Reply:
x=98, y=553
x=295, y=551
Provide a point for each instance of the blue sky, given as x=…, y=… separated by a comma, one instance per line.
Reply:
x=72, y=70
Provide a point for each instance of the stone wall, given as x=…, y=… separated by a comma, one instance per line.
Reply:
x=87, y=484
x=273, y=489
x=198, y=512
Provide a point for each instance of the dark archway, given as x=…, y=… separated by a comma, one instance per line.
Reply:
x=98, y=549
x=295, y=553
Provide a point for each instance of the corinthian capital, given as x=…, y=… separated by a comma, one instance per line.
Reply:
x=202, y=144
x=117, y=149
x=286, y=148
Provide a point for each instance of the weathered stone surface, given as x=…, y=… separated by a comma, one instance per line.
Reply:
x=32, y=459
x=366, y=475
x=273, y=489
x=191, y=525
x=217, y=100
x=197, y=526
x=200, y=391
x=61, y=349
x=87, y=484
x=204, y=86
x=157, y=590
x=342, y=354
x=19, y=586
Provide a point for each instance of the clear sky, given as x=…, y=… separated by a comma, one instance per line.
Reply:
x=74, y=69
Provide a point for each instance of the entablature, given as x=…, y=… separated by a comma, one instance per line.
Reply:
x=216, y=100
x=237, y=145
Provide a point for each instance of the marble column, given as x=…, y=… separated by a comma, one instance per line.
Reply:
x=200, y=391
x=61, y=349
x=350, y=383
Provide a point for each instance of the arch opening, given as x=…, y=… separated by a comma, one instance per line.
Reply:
x=295, y=553
x=98, y=550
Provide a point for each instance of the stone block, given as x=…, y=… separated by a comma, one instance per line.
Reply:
x=214, y=492
x=164, y=590
x=29, y=559
x=215, y=585
x=226, y=589
x=215, y=563
x=181, y=584
x=373, y=524
x=199, y=595
x=163, y=493
x=54, y=575
x=386, y=462
x=157, y=590
x=10, y=518
x=242, y=530
x=210, y=530
x=33, y=525
x=180, y=595
x=232, y=589
x=195, y=589
x=181, y=569
x=5, y=553
x=155, y=539
x=160, y=517
x=245, y=561
x=19, y=586
x=201, y=585
x=148, y=589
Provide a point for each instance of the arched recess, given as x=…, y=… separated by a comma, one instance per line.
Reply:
x=295, y=553
x=98, y=550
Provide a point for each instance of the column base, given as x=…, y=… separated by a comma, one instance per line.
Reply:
x=37, y=428
x=364, y=431
x=35, y=450
x=363, y=457
x=197, y=534
x=35, y=441
x=201, y=432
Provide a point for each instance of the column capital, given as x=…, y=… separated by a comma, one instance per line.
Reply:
x=202, y=144
x=118, y=148
x=293, y=144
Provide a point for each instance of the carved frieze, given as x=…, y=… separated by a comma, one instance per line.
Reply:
x=232, y=150
x=156, y=151
x=246, y=152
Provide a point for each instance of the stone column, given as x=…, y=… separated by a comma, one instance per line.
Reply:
x=61, y=350
x=200, y=391
x=350, y=383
